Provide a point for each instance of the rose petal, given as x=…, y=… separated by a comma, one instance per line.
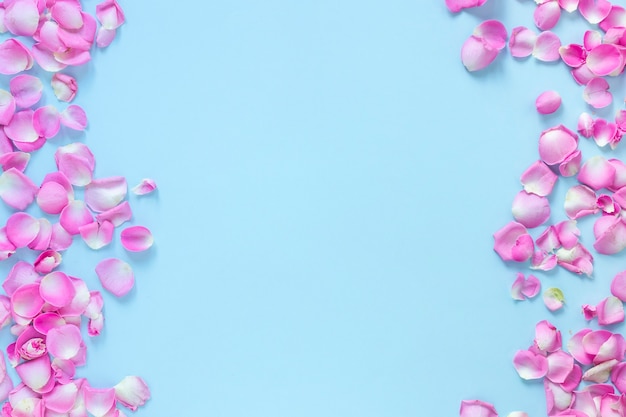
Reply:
x=476, y=408
x=136, y=238
x=610, y=311
x=116, y=276
x=556, y=143
x=522, y=42
x=529, y=365
x=547, y=15
x=14, y=57
x=530, y=210
x=64, y=87
x=547, y=47
x=147, y=186
x=553, y=298
x=596, y=93
x=132, y=392
x=106, y=193
x=57, y=289
x=548, y=102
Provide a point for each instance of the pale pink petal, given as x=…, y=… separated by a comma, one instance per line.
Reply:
x=48, y=37
x=577, y=350
x=530, y=365
x=97, y=235
x=64, y=86
x=618, y=376
x=75, y=167
x=47, y=121
x=607, y=205
x=547, y=47
x=14, y=57
x=75, y=215
x=538, y=179
x=522, y=42
x=74, y=117
x=560, y=365
x=105, y=193
x=594, y=11
x=547, y=15
x=57, y=289
x=64, y=341
x=605, y=59
x=99, y=401
x=47, y=261
x=614, y=35
x=148, y=185
x=20, y=128
x=62, y=398
x=30, y=146
x=610, y=234
x=618, y=286
x=557, y=399
x=567, y=233
x=22, y=273
x=36, y=373
x=615, y=18
x=610, y=311
x=79, y=302
x=132, y=392
x=548, y=102
x=67, y=14
x=105, y=37
x=530, y=210
x=543, y=261
x=492, y=33
x=582, y=75
x=60, y=239
x=597, y=173
x=600, y=373
x=589, y=312
x=7, y=107
x=452, y=5
x=110, y=14
x=476, y=408
x=597, y=94
x=553, y=298
x=585, y=125
x=547, y=337
x=17, y=160
x=573, y=55
x=604, y=132
x=22, y=229
x=580, y=201
x=516, y=288
x=45, y=58
x=583, y=402
x=571, y=164
x=568, y=5
x=26, y=89
x=117, y=215
x=573, y=379
x=96, y=303
x=531, y=287
x=556, y=143
x=52, y=197
x=73, y=56
x=21, y=17
x=475, y=55
x=95, y=325
x=64, y=371
x=513, y=243
x=26, y=301
x=116, y=276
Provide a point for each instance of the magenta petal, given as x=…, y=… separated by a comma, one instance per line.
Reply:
x=596, y=93
x=36, y=373
x=22, y=229
x=146, y=186
x=610, y=311
x=475, y=55
x=47, y=121
x=16, y=189
x=618, y=286
x=604, y=132
x=531, y=287
x=547, y=15
x=48, y=260
x=476, y=408
x=97, y=235
x=116, y=276
x=136, y=238
x=22, y=273
x=530, y=365
x=46, y=59
x=597, y=173
x=548, y=102
x=513, y=242
x=52, y=197
x=530, y=210
x=615, y=18
x=26, y=301
x=594, y=10
x=105, y=193
x=57, y=289
x=605, y=59
x=7, y=107
x=577, y=350
x=20, y=128
x=618, y=376
x=522, y=42
x=14, y=57
x=547, y=47
x=573, y=55
x=538, y=179
x=75, y=215
x=556, y=143
x=577, y=259
x=17, y=160
x=452, y=5
x=492, y=33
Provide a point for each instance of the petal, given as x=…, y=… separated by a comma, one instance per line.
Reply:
x=618, y=376
x=530, y=210
x=45, y=58
x=52, y=197
x=547, y=15
x=110, y=14
x=516, y=288
x=547, y=47
x=60, y=239
x=99, y=401
x=97, y=235
x=46, y=321
x=605, y=59
x=538, y=179
x=596, y=93
x=610, y=311
x=512, y=243
x=64, y=87
x=62, y=398
x=597, y=173
x=571, y=164
x=47, y=261
x=7, y=107
x=568, y=5
x=17, y=160
x=553, y=298
x=531, y=287
x=22, y=229
x=547, y=337
x=600, y=373
x=22, y=273
x=26, y=301
x=522, y=42
x=585, y=125
x=556, y=143
x=618, y=286
x=610, y=234
x=36, y=373
x=548, y=102
x=476, y=408
x=26, y=89
x=146, y=186
x=117, y=215
x=573, y=55
x=594, y=11
x=132, y=392
x=76, y=162
x=21, y=17
x=576, y=348
x=475, y=55
x=74, y=117
x=75, y=215
x=529, y=365
x=492, y=33
x=582, y=75
x=567, y=233
x=136, y=238
x=615, y=18
x=580, y=201
x=560, y=365
x=116, y=276
x=47, y=121
x=106, y=193
x=14, y=57
x=64, y=341
x=105, y=37
x=604, y=132
x=20, y=128
x=589, y=312
x=57, y=289
x=67, y=14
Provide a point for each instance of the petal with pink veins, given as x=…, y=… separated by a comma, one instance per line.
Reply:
x=22, y=228
x=605, y=59
x=513, y=243
x=64, y=87
x=148, y=185
x=116, y=276
x=35, y=374
x=547, y=47
x=47, y=121
x=57, y=289
x=597, y=94
x=105, y=193
x=548, y=102
x=99, y=401
x=556, y=143
x=132, y=392
x=21, y=17
x=530, y=210
x=97, y=235
x=597, y=173
x=530, y=365
x=553, y=298
x=547, y=15
x=522, y=42
x=75, y=215
x=610, y=311
x=594, y=11
x=20, y=128
x=580, y=201
x=477, y=408
x=14, y=57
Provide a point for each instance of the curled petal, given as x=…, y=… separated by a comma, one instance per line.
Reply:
x=146, y=186
x=604, y=133
x=513, y=243
x=610, y=311
x=618, y=286
x=573, y=55
x=577, y=259
x=571, y=164
x=111, y=15
x=597, y=94
x=553, y=298
x=580, y=201
x=48, y=260
x=116, y=276
x=522, y=42
x=132, y=392
x=547, y=47
x=538, y=179
x=548, y=102
x=64, y=86
x=600, y=373
x=492, y=33
x=117, y=215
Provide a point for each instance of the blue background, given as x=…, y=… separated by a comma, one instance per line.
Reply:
x=329, y=178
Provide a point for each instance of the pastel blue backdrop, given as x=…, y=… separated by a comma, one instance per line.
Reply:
x=329, y=178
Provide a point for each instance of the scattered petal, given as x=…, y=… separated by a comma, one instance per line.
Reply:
x=116, y=276
x=553, y=298
x=548, y=102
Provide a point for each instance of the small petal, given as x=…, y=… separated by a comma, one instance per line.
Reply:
x=553, y=299
x=147, y=186
x=47, y=121
x=97, y=235
x=116, y=276
x=26, y=89
x=618, y=286
x=531, y=287
x=74, y=117
x=513, y=243
x=136, y=238
x=610, y=311
x=475, y=55
x=585, y=125
x=548, y=102
x=64, y=87
x=547, y=15
x=547, y=337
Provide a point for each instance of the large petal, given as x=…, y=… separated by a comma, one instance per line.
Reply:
x=105, y=193
x=538, y=179
x=547, y=47
x=14, y=57
x=477, y=408
x=530, y=210
x=556, y=143
x=522, y=42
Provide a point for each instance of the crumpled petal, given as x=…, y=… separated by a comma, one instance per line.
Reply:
x=146, y=186
x=597, y=94
x=548, y=102
x=116, y=276
x=513, y=243
x=136, y=238
x=64, y=87
x=553, y=298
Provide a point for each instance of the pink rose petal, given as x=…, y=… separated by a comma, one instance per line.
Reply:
x=530, y=210
x=580, y=201
x=618, y=286
x=556, y=143
x=75, y=215
x=106, y=193
x=117, y=215
x=547, y=337
x=610, y=234
x=146, y=186
x=64, y=86
x=99, y=401
x=132, y=392
x=522, y=42
x=553, y=299
x=26, y=89
x=22, y=229
x=530, y=365
x=477, y=408
x=548, y=102
x=36, y=373
x=594, y=11
x=26, y=301
x=57, y=289
x=475, y=55
x=21, y=17
x=605, y=59
x=111, y=15
x=597, y=173
x=547, y=47
x=20, y=128
x=547, y=15
x=513, y=243
x=64, y=341
x=47, y=121
x=14, y=57
x=105, y=37
x=136, y=238
x=596, y=93
x=610, y=311
x=97, y=235
x=116, y=276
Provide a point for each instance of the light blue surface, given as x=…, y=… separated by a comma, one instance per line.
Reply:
x=329, y=178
